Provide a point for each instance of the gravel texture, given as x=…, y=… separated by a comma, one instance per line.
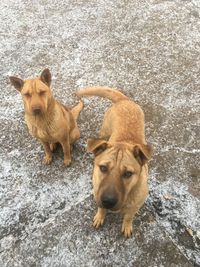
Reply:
x=151, y=50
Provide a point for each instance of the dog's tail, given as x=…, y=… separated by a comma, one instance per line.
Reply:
x=102, y=91
x=77, y=109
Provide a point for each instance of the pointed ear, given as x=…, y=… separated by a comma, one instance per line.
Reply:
x=143, y=153
x=45, y=77
x=16, y=82
x=96, y=145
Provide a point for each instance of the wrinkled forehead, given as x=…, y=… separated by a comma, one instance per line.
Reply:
x=34, y=85
x=118, y=159
x=116, y=155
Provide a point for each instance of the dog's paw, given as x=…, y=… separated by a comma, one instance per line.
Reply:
x=67, y=162
x=98, y=220
x=47, y=160
x=127, y=229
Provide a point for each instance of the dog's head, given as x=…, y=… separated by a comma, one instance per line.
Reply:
x=36, y=93
x=117, y=168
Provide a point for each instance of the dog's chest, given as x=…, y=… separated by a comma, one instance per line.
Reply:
x=47, y=132
x=43, y=134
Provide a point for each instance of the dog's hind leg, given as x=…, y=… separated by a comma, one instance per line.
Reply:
x=74, y=135
x=77, y=109
x=104, y=133
x=106, y=128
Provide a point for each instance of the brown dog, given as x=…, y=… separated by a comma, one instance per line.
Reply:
x=47, y=119
x=120, y=166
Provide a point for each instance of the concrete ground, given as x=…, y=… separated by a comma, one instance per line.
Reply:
x=151, y=50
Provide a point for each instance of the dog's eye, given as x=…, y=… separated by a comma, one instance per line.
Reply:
x=41, y=93
x=103, y=168
x=127, y=174
x=27, y=94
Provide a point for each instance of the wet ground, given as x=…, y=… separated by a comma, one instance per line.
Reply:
x=149, y=49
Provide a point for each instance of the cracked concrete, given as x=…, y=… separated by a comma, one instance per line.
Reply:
x=150, y=50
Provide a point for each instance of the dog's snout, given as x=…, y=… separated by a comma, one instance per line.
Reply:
x=36, y=110
x=108, y=201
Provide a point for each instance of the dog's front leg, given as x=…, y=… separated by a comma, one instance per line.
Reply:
x=66, y=149
x=99, y=217
x=127, y=224
x=48, y=154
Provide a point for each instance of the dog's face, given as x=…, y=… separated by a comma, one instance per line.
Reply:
x=117, y=168
x=36, y=93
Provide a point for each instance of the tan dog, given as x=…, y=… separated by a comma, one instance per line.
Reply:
x=120, y=166
x=47, y=119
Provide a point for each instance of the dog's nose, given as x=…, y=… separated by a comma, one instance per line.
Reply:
x=108, y=201
x=36, y=110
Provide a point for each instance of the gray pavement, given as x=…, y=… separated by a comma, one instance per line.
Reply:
x=149, y=49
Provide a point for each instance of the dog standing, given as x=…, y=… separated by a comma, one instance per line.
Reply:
x=47, y=119
x=120, y=167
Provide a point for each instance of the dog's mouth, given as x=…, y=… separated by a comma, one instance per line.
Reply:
x=116, y=209
x=112, y=209
x=37, y=113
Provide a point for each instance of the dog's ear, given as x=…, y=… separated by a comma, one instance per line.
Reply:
x=143, y=153
x=16, y=82
x=45, y=77
x=96, y=145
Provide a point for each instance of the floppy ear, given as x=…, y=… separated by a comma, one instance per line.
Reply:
x=45, y=77
x=16, y=82
x=96, y=145
x=143, y=153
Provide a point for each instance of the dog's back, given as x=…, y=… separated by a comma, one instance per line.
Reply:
x=124, y=120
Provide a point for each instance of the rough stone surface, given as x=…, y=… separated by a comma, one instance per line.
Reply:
x=150, y=50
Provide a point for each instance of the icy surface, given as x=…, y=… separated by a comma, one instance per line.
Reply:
x=149, y=49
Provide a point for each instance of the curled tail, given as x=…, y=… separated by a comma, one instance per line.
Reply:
x=102, y=91
x=77, y=109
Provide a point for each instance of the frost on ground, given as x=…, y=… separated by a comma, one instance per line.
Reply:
x=149, y=49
